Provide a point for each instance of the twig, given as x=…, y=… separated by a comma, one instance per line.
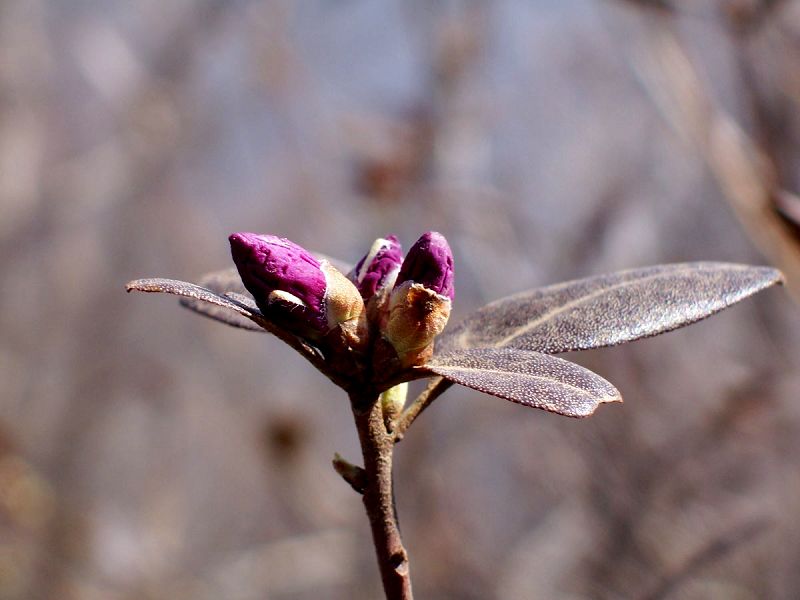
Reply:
x=744, y=172
x=352, y=474
x=715, y=550
x=436, y=388
x=377, y=446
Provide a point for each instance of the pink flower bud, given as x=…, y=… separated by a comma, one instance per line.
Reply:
x=290, y=286
x=429, y=262
x=419, y=305
x=378, y=269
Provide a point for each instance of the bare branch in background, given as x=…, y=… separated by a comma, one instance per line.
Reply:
x=713, y=551
x=743, y=170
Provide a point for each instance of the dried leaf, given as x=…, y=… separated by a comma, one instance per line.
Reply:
x=225, y=283
x=202, y=300
x=608, y=309
x=237, y=310
x=246, y=301
x=529, y=378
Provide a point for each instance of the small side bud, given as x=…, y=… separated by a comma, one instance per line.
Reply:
x=393, y=400
x=352, y=474
x=419, y=305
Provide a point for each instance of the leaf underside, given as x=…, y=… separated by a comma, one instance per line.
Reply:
x=530, y=378
x=609, y=309
x=206, y=300
x=227, y=283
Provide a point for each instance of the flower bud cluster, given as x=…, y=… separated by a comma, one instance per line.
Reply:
x=385, y=302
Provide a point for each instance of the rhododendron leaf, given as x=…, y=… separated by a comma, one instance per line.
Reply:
x=608, y=309
x=205, y=300
x=529, y=378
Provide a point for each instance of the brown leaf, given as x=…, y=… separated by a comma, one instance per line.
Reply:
x=236, y=309
x=203, y=300
x=225, y=283
x=608, y=309
x=220, y=295
x=529, y=378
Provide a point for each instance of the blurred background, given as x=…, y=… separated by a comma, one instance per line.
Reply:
x=148, y=453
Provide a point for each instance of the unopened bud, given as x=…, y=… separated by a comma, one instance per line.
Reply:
x=290, y=286
x=378, y=269
x=419, y=305
x=392, y=401
x=430, y=262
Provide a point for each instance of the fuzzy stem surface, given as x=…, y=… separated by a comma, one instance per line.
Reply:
x=377, y=446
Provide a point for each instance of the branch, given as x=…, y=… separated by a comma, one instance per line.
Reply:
x=377, y=446
x=436, y=388
x=744, y=172
x=712, y=552
x=352, y=474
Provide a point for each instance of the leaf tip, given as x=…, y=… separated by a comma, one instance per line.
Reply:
x=769, y=276
x=590, y=410
x=133, y=286
x=778, y=278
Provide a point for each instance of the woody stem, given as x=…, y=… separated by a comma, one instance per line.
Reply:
x=377, y=445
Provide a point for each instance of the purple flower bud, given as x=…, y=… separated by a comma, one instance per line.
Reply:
x=306, y=296
x=284, y=278
x=419, y=304
x=379, y=267
x=429, y=262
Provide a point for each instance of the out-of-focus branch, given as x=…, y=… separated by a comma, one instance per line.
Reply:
x=710, y=553
x=747, y=16
x=744, y=172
